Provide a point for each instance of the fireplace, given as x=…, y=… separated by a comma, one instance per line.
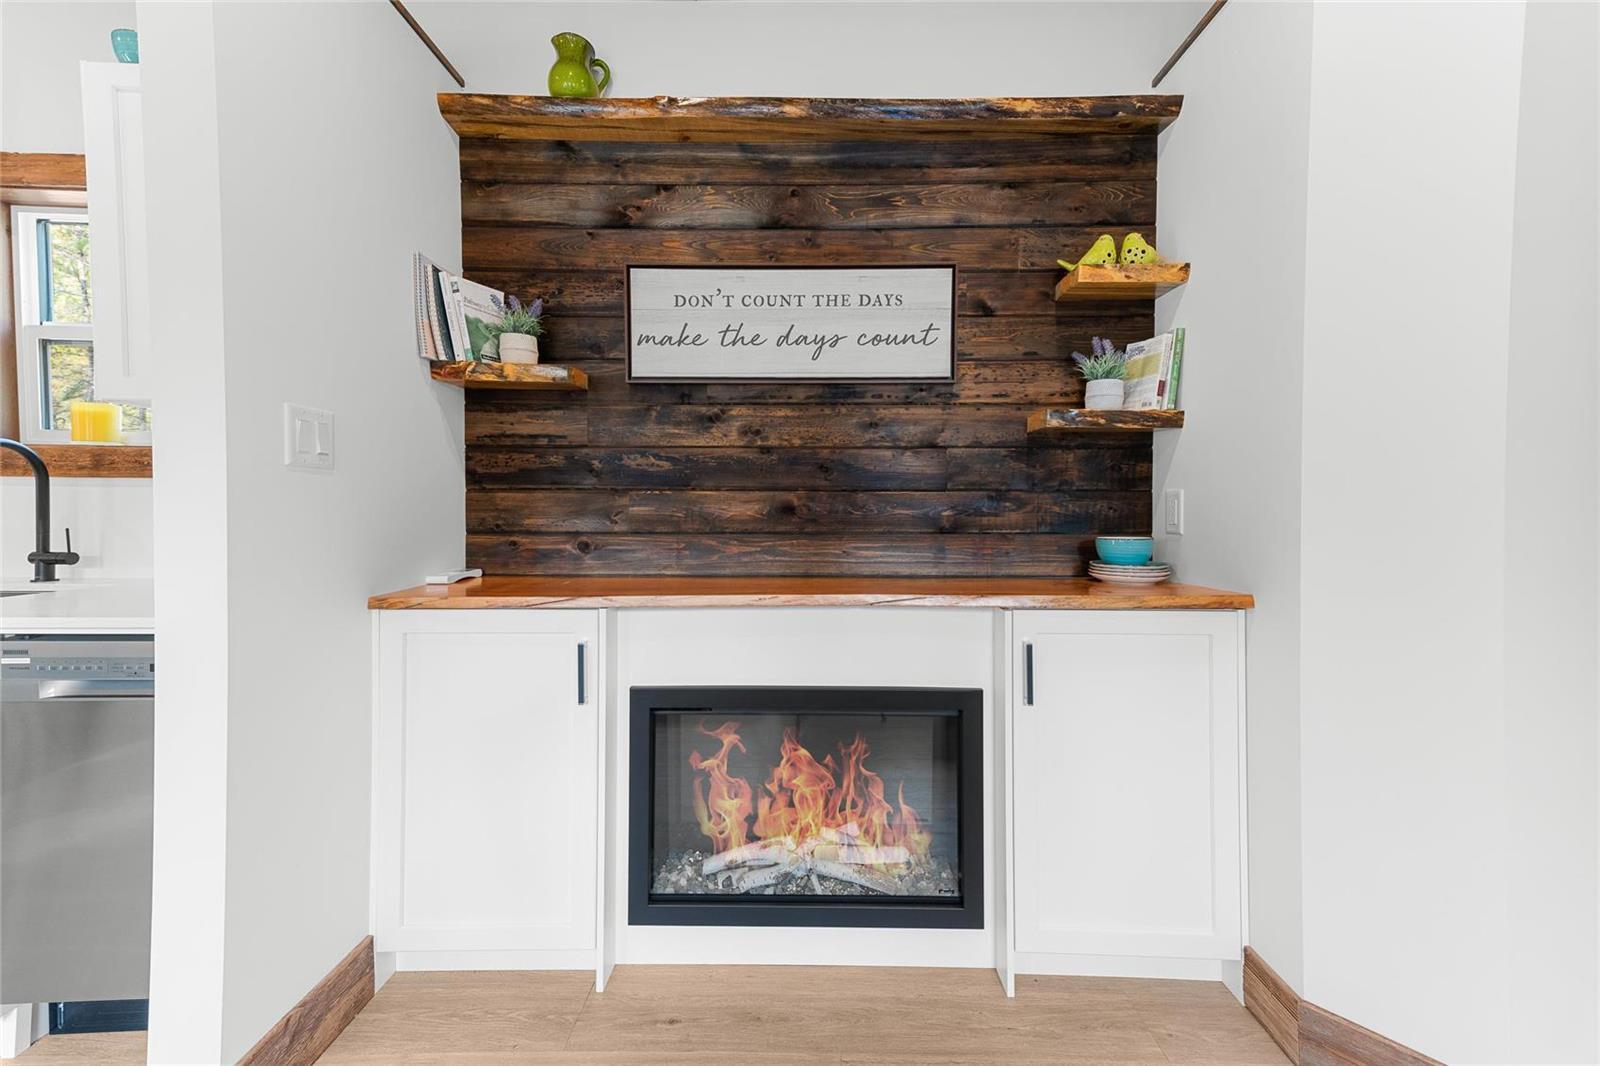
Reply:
x=806, y=806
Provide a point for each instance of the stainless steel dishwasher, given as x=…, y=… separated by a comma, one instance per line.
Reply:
x=76, y=774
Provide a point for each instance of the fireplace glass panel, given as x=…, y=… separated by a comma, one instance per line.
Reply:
x=825, y=806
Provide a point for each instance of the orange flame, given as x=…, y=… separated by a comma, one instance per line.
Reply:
x=803, y=799
x=722, y=814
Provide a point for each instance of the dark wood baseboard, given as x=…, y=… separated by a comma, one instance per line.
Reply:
x=1329, y=1040
x=302, y=1035
x=1274, y=1004
x=1312, y=1036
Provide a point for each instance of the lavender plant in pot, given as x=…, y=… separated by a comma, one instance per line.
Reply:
x=517, y=333
x=1104, y=374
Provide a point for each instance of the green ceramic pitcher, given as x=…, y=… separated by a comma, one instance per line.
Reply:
x=572, y=73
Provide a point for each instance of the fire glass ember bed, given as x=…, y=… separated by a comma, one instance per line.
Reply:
x=806, y=806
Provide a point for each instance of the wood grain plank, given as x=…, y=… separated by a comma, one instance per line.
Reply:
x=1024, y=381
x=1273, y=1003
x=751, y=554
x=700, y=206
x=1326, y=1039
x=1087, y=158
x=1056, y=423
x=859, y=469
x=593, y=292
x=576, y=338
x=486, y=247
x=771, y=425
x=301, y=1036
x=785, y=119
x=42, y=170
x=765, y=511
x=1071, y=593
x=81, y=460
x=876, y=476
x=509, y=377
x=1115, y=282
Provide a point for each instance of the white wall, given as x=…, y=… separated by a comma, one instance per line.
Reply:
x=109, y=518
x=41, y=110
x=1232, y=201
x=1551, y=535
x=1423, y=797
x=41, y=43
x=1403, y=681
x=183, y=199
x=687, y=48
x=330, y=171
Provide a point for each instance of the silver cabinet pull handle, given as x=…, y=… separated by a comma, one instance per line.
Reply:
x=1027, y=674
x=583, y=694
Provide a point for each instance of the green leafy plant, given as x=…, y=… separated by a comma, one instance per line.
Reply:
x=1106, y=364
x=520, y=319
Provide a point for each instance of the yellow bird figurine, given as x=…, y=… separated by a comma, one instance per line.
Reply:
x=1102, y=252
x=1136, y=250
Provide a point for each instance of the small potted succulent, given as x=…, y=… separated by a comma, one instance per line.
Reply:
x=517, y=333
x=1103, y=375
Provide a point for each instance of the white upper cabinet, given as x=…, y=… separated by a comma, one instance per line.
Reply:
x=113, y=140
x=1127, y=831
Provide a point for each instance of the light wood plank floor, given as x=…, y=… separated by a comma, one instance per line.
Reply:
x=778, y=1015
x=774, y=1015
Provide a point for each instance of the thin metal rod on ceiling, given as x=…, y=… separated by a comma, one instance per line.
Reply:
x=422, y=33
x=1194, y=34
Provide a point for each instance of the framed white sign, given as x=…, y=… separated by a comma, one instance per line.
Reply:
x=767, y=323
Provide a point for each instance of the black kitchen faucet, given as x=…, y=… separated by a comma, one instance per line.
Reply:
x=43, y=559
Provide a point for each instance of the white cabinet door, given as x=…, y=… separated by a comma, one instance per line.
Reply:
x=113, y=149
x=1126, y=788
x=485, y=780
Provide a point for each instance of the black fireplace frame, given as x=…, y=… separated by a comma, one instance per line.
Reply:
x=964, y=912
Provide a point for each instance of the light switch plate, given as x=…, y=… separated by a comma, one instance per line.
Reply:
x=307, y=437
x=1172, y=500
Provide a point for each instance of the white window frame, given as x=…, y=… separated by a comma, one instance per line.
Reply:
x=31, y=332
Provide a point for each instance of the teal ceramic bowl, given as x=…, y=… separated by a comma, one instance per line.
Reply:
x=1125, y=551
x=125, y=45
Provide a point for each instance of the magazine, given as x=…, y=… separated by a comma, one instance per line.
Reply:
x=454, y=315
x=1149, y=365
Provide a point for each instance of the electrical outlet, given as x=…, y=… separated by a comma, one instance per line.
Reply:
x=1172, y=499
x=307, y=438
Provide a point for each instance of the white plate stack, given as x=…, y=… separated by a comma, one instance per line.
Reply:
x=1122, y=574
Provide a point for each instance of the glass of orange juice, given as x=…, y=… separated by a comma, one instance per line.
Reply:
x=100, y=423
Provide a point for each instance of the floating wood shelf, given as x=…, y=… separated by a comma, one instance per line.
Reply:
x=752, y=119
x=1114, y=282
x=1057, y=420
x=82, y=460
x=544, y=376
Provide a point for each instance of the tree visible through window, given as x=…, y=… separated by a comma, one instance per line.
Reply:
x=55, y=323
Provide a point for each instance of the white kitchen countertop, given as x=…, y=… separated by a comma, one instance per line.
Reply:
x=85, y=606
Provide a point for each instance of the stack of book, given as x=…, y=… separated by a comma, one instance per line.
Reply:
x=454, y=315
x=1153, y=368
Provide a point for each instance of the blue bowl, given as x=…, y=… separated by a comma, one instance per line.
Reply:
x=125, y=45
x=1125, y=551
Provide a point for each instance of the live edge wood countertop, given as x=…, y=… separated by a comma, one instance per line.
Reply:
x=1074, y=594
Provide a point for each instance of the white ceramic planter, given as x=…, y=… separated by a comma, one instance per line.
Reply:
x=521, y=348
x=1103, y=395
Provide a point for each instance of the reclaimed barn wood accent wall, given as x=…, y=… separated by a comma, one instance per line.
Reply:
x=803, y=479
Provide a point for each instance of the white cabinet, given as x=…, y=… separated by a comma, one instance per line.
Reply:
x=113, y=148
x=1126, y=784
x=485, y=781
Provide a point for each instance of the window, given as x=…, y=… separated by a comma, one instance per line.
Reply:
x=55, y=325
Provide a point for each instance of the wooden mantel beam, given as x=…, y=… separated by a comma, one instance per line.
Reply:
x=777, y=119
